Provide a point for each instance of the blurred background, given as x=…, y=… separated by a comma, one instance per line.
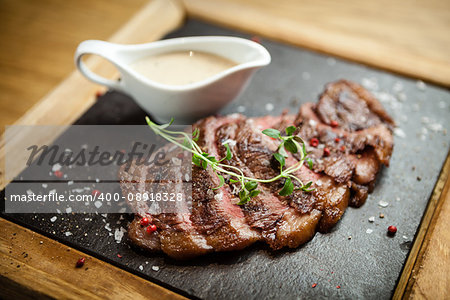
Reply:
x=38, y=38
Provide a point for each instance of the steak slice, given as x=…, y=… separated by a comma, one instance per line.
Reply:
x=178, y=237
x=214, y=211
x=359, y=141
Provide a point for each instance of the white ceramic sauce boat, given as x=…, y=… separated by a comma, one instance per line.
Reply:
x=184, y=103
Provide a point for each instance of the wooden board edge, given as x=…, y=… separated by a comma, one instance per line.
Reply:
x=42, y=267
x=75, y=94
x=424, y=233
x=252, y=19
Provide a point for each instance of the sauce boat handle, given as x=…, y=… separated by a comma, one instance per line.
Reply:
x=103, y=49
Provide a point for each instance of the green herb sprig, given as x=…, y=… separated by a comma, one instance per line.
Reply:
x=248, y=185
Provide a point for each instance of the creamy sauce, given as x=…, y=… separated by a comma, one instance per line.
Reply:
x=182, y=67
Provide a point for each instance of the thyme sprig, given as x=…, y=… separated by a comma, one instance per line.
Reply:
x=248, y=185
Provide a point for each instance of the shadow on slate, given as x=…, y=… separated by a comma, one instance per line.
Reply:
x=366, y=266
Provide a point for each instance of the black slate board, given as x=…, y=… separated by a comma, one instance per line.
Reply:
x=365, y=266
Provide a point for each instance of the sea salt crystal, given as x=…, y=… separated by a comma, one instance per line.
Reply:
x=53, y=219
x=383, y=203
x=306, y=76
x=70, y=182
x=98, y=204
x=107, y=227
x=97, y=180
x=176, y=161
x=58, y=211
x=269, y=106
x=155, y=268
x=218, y=196
x=398, y=87
x=312, y=122
x=405, y=237
x=370, y=83
x=421, y=85
x=30, y=192
x=141, y=268
x=436, y=127
x=104, y=215
x=230, y=142
x=369, y=231
x=401, y=97
x=186, y=177
x=77, y=190
x=44, y=185
x=399, y=132
x=240, y=108
x=118, y=234
x=68, y=233
x=69, y=210
x=56, y=167
x=122, y=210
x=372, y=219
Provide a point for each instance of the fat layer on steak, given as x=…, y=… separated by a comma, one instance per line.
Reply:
x=355, y=140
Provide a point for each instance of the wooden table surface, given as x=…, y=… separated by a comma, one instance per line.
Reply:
x=39, y=38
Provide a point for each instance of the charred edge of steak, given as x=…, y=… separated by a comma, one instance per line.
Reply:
x=351, y=106
x=354, y=151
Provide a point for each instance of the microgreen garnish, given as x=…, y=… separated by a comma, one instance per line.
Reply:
x=248, y=186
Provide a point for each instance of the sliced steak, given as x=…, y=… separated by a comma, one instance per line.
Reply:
x=354, y=136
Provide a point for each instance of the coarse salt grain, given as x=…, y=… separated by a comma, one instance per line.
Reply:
x=176, y=161
x=372, y=219
x=70, y=182
x=107, y=227
x=68, y=233
x=383, y=203
x=118, y=234
x=69, y=210
x=399, y=132
x=269, y=106
x=98, y=204
x=44, y=185
x=240, y=108
x=421, y=85
x=53, y=219
x=306, y=75
x=155, y=268
x=369, y=231
x=56, y=167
